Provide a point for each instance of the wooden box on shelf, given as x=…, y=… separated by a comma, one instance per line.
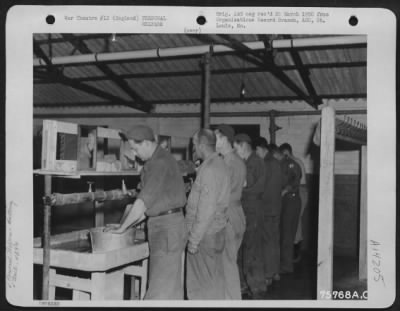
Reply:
x=72, y=148
x=110, y=151
x=59, y=146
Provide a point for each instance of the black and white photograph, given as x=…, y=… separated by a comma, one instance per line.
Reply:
x=215, y=166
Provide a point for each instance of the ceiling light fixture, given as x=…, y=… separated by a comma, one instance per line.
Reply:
x=242, y=85
x=242, y=90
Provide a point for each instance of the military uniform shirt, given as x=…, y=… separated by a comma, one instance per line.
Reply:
x=291, y=174
x=162, y=186
x=208, y=200
x=237, y=169
x=255, y=177
x=273, y=184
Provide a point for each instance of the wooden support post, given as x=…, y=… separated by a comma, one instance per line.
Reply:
x=116, y=290
x=46, y=240
x=138, y=288
x=326, y=202
x=134, y=288
x=79, y=295
x=205, y=121
x=273, y=128
x=52, y=287
x=143, y=282
x=363, y=267
x=98, y=286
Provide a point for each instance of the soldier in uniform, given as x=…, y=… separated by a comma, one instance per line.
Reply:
x=236, y=225
x=303, y=191
x=206, y=219
x=291, y=205
x=252, y=251
x=162, y=198
x=272, y=201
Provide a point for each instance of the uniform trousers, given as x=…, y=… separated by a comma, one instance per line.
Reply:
x=303, y=191
x=252, y=252
x=235, y=229
x=167, y=237
x=205, y=272
x=271, y=245
x=291, y=205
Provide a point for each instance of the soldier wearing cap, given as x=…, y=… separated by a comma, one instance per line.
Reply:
x=206, y=219
x=161, y=198
x=272, y=208
x=252, y=254
x=236, y=225
x=291, y=206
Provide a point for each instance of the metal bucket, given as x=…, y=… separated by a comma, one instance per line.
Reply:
x=106, y=241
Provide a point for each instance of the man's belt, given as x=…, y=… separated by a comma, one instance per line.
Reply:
x=171, y=211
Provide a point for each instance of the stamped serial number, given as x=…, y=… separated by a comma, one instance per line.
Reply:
x=340, y=294
x=49, y=303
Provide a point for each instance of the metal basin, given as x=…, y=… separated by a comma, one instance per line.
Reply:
x=106, y=241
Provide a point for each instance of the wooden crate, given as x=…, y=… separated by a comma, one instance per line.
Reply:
x=83, y=158
x=51, y=130
x=105, y=134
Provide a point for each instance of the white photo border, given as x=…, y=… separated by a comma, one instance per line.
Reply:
x=378, y=24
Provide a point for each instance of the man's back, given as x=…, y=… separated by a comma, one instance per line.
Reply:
x=273, y=185
x=255, y=178
x=209, y=199
x=237, y=171
x=291, y=173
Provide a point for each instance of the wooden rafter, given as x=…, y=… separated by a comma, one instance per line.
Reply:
x=121, y=83
x=268, y=64
x=41, y=54
x=57, y=76
x=197, y=100
x=196, y=114
x=304, y=73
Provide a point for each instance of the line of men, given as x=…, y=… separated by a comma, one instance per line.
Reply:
x=233, y=210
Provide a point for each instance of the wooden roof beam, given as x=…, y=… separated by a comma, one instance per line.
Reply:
x=198, y=100
x=91, y=90
x=57, y=76
x=41, y=54
x=304, y=73
x=269, y=65
x=138, y=103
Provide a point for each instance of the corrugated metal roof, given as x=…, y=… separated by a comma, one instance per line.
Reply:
x=56, y=92
x=333, y=71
